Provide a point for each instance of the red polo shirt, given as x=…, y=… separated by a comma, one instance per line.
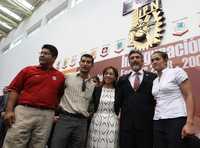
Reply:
x=38, y=88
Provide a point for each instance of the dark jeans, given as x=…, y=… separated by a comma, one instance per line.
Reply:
x=136, y=138
x=3, y=130
x=69, y=132
x=192, y=142
x=167, y=133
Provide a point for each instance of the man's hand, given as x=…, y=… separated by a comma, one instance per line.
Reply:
x=2, y=114
x=9, y=118
x=55, y=119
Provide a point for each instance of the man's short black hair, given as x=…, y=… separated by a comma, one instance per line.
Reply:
x=136, y=51
x=52, y=49
x=88, y=56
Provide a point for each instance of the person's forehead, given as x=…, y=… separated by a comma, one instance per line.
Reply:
x=156, y=55
x=110, y=70
x=86, y=58
x=135, y=55
x=45, y=49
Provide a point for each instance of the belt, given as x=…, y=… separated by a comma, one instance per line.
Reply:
x=37, y=106
x=75, y=115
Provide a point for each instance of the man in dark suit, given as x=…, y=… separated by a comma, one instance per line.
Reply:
x=136, y=105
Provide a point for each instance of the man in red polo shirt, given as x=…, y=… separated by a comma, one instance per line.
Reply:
x=33, y=95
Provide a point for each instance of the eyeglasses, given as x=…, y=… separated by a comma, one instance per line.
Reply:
x=83, y=87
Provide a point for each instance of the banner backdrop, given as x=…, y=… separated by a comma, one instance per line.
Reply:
x=184, y=53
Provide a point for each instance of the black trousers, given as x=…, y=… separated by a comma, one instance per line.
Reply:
x=193, y=142
x=136, y=138
x=167, y=133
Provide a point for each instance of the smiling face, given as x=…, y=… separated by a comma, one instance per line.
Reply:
x=158, y=62
x=136, y=61
x=46, y=58
x=109, y=76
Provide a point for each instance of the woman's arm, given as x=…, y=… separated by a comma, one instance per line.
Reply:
x=187, y=93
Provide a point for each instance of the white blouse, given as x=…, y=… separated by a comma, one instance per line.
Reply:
x=166, y=90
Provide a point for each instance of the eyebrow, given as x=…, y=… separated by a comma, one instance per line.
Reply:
x=156, y=58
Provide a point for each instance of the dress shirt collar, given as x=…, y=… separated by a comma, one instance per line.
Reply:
x=141, y=72
x=40, y=67
x=79, y=75
x=163, y=71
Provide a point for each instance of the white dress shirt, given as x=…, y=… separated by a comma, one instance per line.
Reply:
x=132, y=77
x=166, y=90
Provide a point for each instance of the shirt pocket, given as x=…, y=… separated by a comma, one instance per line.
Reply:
x=88, y=92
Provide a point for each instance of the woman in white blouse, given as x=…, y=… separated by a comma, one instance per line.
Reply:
x=174, y=111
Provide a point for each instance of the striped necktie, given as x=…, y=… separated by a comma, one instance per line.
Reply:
x=136, y=83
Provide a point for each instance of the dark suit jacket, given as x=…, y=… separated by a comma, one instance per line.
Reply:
x=137, y=107
x=96, y=98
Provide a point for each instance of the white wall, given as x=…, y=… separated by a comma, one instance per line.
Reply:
x=90, y=24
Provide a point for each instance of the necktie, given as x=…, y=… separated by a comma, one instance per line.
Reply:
x=136, y=82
